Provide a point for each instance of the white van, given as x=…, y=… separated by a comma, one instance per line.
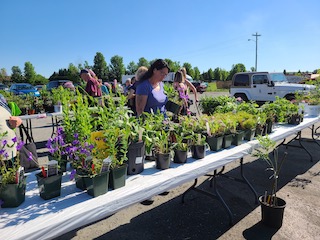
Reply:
x=168, y=78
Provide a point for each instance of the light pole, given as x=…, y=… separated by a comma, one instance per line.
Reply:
x=256, y=41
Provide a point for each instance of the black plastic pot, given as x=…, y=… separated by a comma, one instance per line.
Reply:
x=136, y=156
x=198, y=151
x=80, y=181
x=237, y=138
x=49, y=187
x=249, y=134
x=227, y=140
x=162, y=160
x=180, y=156
x=272, y=216
x=173, y=107
x=97, y=185
x=295, y=119
x=118, y=176
x=269, y=126
x=13, y=195
x=215, y=142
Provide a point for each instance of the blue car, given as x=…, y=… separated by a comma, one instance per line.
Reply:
x=24, y=88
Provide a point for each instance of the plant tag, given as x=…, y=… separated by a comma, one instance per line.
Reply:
x=106, y=164
x=139, y=160
x=208, y=129
x=52, y=168
x=140, y=134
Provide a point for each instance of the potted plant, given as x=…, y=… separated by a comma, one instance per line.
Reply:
x=136, y=149
x=247, y=123
x=272, y=207
x=50, y=178
x=56, y=99
x=162, y=149
x=57, y=149
x=12, y=178
x=215, y=130
x=180, y=146
x=198, y=146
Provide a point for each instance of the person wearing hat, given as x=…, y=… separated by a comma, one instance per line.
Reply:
x=93, y=86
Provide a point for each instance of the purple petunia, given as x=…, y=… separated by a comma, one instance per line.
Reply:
x=4, y=142
x=20, y=145
x=72, y=174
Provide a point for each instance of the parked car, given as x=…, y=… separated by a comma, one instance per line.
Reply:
x=39, y=87
x=200, y=86
x=56, y=83
x=24, y=88
x=263, y=86
x=4, y=87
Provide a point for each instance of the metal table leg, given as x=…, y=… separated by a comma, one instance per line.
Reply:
x=215, y=195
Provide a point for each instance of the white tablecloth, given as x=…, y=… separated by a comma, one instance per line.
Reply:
x=45, y=219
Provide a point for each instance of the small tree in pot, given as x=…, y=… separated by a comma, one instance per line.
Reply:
x=271, y=205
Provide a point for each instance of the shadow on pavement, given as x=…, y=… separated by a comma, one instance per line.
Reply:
x=201, y=217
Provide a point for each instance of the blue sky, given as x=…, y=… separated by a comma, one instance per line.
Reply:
x=205, y=33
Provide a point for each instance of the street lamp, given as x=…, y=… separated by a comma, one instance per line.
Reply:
x=256, y=41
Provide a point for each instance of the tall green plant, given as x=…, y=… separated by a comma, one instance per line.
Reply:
x=266, y=146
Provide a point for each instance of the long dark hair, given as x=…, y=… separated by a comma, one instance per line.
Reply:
x=158, y=64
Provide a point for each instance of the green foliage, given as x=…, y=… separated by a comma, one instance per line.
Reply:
x=100, y=67
x=16, y=75
x=116, y=68
x=209, y=105
x=161, y=141
x=266, y=146
x=29, y=73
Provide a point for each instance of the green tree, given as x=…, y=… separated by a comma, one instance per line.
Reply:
x=131, y=68
x=40, y=80
x=196, y=73
x=210, y=75
x=73, y=73
x=16, y=75
x=224, y=74
x=235, y=69
x=117, y=68
x=100, y=67
x=143, y=62
x=174, y=66
x=29, y=73
x=4, y=76
x=189, y=69
x=217, y=74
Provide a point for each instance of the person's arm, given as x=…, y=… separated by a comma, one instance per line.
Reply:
x=141, y=102
x=193, y=89
x=131, y=94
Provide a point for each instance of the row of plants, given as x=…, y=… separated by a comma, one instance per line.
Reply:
x=29, y=104
x=98, y=141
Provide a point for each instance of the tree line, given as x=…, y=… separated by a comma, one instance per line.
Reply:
x=115, y=70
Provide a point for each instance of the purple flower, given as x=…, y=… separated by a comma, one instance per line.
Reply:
x=76, y=135
x=20, y=145
x=30, y=157
x=4, y=142
x=75, y=142
x=72, y=174
x=14, y=139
